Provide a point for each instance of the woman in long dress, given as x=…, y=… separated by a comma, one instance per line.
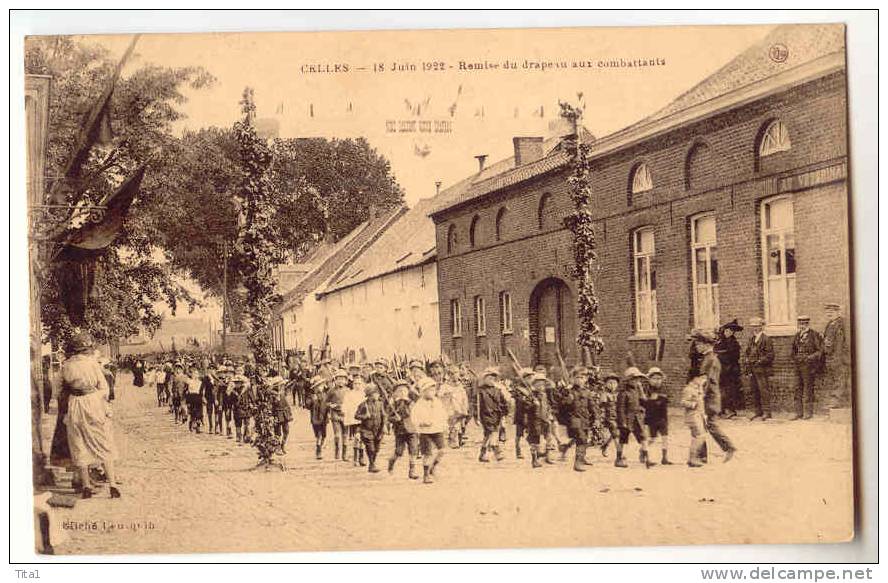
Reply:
x=88, y=419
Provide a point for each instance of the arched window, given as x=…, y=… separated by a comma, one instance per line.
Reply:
x=774, y=139
x=500, y=222
x=545, y=206
x=641, y=179
x=473, y=231
x=451, y=239
x=697, y=157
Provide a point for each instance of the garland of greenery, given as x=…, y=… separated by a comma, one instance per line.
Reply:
x=259, y=257
x=581, y=224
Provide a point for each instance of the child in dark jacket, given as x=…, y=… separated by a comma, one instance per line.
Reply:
x=316, y=401
x=371, y=415
x=656, y=415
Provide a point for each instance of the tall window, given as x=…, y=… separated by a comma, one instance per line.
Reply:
x=704, y=271
x=473, y=231
x=500, y=222
x=451, y=239
x=505, y=312
x=645, y=280
x=778, y=258
x=641, y=179
x=455, y=318
x=775, y=139
x=480, y=317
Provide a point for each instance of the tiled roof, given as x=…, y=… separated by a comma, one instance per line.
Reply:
x=339, y=257
x=408, y=242
x=806, y=43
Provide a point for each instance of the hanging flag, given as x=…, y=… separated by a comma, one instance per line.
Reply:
x=95, y=129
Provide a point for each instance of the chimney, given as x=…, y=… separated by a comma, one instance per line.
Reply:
x=481, y=159
x=437, y=187
x=527, y=150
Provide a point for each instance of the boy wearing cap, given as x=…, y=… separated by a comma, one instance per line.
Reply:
x=319, y=413
x=430, y=418
x=608, y=402
x=371, y=415
x=807, y=351
x=351, y=400
x=759, y=357
x=281, y=411
x=630, y=415
x=208, y=391
x=656, y=412
x=578, y=404
x=403, y=428
x=537, y=415
x=229, y=402
x=335, y=397
x=492, y=407
x=692, y=402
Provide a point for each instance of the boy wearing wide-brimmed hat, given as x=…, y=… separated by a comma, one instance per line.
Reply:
x=656, y=412
x=630, y=415
x=492, y=407
x=371, y=415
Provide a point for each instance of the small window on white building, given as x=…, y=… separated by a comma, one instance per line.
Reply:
x=641, y=179
x=775, y=139
x=455, y=318
x=704, y=271
x=480, y=317
x=506, y=312
x=645, y=281
x=778, y=259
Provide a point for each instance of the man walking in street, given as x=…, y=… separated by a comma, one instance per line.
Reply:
x=807, y=352
x=836, y=357
x=710, y=367
x=759, y=357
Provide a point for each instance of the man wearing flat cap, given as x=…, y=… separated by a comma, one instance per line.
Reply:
x=836, y=357
x=710, y=367
x=807, y=352
x=759, y=359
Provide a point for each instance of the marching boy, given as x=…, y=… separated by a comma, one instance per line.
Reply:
x=608, y=399
x=403, y=428
x=316, y=401
x=372, y=417
x=630, y=414
x=492, y=407
x=656, y=413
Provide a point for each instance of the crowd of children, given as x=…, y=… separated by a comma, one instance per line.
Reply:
x=424, y=407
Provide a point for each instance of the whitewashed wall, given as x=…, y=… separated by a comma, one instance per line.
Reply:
x=384, y=316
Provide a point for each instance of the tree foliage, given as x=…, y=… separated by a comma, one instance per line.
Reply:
x=129, y=279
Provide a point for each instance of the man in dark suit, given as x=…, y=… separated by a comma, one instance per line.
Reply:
x=807, y=351
x=759, y=356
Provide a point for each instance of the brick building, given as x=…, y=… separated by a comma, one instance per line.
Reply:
x=731, y=202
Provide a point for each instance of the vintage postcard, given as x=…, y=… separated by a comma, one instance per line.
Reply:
x=440, y=289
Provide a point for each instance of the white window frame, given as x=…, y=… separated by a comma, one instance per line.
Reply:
x=788, y=281
x=775, y=139
x=455, y=318
x=506, y=312
x=480, y=316
x=710, y=288
x=648, y=297
x=641, y=179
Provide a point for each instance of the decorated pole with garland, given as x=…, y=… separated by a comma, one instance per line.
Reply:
x=258, y=259
x=581, y=224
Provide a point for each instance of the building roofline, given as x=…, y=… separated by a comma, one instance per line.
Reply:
x=647, y=128
x=432, y=258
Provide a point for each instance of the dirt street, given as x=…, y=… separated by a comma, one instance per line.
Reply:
x=790, y=482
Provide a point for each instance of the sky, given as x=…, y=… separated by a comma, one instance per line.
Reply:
x=299, y=80
x=359, y=103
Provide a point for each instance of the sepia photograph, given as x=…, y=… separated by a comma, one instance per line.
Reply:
x=440, y=289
